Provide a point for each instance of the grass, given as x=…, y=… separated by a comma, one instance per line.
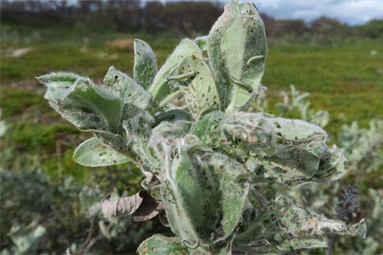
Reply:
x=345, y=79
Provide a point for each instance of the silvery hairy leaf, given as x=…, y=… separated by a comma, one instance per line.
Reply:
x=217, y=182
x=196, y=83
x=162, y=245
x=160, y=88
x=237, y=50
x=279, y=225
x=126, y=88
x=145, y=67
x=82, y=103
x=94, y=153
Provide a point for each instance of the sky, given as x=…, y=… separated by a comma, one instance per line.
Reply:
x=352, y=12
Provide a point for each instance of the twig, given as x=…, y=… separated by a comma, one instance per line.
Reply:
x=88, y=239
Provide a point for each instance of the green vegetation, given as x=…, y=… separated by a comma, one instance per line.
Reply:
x=344, y=77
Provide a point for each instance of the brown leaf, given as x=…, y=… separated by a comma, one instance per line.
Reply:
x=141, y=205
x=149, y=208
x=122, y=205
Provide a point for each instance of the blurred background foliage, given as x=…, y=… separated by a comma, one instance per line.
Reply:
x=50, y=204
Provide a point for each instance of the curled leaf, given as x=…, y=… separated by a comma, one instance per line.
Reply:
x=148, y=209
x=82, y=103
x=122, y=205
x=141, y=205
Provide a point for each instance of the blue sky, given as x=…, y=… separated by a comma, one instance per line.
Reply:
x=353, y=12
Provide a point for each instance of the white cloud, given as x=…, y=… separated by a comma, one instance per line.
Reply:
x=350, y=11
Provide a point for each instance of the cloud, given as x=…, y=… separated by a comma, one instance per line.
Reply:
x=353, y=12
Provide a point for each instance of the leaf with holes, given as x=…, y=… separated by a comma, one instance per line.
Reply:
x=162, y=245
x=145, y=67
x=217, y=182
x=82, y=103
x=126, y=88
x=197, y=85
x=94, y=153
x=160, y=87
x=244, y=49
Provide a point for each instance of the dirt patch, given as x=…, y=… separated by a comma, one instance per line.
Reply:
x=15, y=53
x=126, y=44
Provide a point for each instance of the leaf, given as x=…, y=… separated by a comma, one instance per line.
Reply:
x=291, y=165
x=279, y=225
x=297, y=131
x=126, y=88
x=58, y=81
x=202, y=42
x=208, y=128
x=160, y=87
x=85, y=105
x=216, y=54
x=332, y=163
x=199, y=90
x=145, y=67
x=216, y=182
x=250, y=132
x=237, y=51
x=94, y=153
x=141, y=205
x=244, y=49
x=162, y=245
x=148, y=209
x=172, y=115
x=121, y=206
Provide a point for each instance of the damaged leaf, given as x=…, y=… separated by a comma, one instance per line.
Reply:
x=145, y=67
x=162, y=245
x=94, y=153
x=141, y=205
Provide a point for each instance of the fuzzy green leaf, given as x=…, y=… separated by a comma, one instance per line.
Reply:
x=279, y=225
x=126, y=88
x=172, y=116
x=297, y=131
x=217, y=183
x=202, y=42
x=160, y=87
x=82, y=103
x=244, y=48
x=162, y=245
x=94, y=153
x=199, y=89
x=145, y=67
x=216, y=55
x=237, y=51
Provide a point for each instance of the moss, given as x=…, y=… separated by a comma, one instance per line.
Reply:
x=34, y=136
x=15, y=101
